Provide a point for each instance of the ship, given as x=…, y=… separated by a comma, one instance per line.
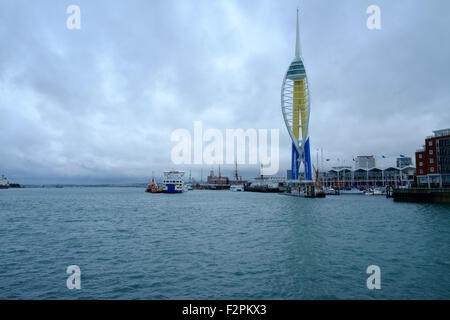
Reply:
x=217, y=182
x=4, y=183
x=266, y=183
x=237, y=184
x=153, y=187
x=173, y=181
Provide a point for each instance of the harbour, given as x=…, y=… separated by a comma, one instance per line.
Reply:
x=219, y=245
x=224, y=151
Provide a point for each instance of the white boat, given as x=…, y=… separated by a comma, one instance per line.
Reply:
x=352, y=191
x=173, y=181
x=331, y=191
x=379, y=192
x=375, y=192
x=237, y=187
x=297, y=193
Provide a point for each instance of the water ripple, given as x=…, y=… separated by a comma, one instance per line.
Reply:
x=218, y=245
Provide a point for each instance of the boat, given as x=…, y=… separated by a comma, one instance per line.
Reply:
x=4, y=183
x=304, y=192
x=218, y=187
x=173, y=181
x=237, y=187
x=153, y=187
x=375, y=192
x=296, y=192
x=218, y=182
x=262, y=185
x=379, y=192
x=331, y=191
x=351, y=191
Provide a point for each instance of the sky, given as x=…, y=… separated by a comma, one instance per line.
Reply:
x=99, y=104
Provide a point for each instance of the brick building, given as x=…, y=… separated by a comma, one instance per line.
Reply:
x=433, y=160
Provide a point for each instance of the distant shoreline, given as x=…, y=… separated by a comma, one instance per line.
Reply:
x=57, y=186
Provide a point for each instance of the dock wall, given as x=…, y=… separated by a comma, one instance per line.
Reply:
x=422, y=195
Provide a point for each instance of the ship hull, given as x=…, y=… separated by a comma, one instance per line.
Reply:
x=173, y=188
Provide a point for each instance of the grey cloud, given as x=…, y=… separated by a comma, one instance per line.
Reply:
x=99, y=104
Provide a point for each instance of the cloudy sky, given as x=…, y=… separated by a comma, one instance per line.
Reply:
x=99, y=104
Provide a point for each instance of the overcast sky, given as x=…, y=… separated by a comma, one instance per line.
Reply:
x=99, y=104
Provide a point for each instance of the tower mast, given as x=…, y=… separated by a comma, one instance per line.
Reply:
x=298, y=48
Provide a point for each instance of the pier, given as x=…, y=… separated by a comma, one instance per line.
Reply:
x=437, y=195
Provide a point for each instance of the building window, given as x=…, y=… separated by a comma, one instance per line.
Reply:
x=420, y=163
x=432, y=169
x=430, y=152
x=431, y=160
x=430, y=143
x=420, y=156
x=421, y=171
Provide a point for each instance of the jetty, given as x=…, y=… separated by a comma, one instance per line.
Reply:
x=424, y=195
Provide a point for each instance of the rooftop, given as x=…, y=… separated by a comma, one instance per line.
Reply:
x=442, y=132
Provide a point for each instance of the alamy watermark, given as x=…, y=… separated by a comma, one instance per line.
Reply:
x=74, y=279
x=374, y=280
x=211, y=147
x=74, y=20
x=374, y=20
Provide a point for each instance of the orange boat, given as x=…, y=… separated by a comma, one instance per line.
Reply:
x=153, y=187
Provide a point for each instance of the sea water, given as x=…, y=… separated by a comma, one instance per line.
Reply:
x=130, y=244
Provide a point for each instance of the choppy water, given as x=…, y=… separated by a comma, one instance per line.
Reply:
x=219, y=245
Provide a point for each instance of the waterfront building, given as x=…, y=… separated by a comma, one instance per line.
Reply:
x=404, y=162
x=433, y=160
x=344, y=177
x=295, y=106
x=365, y=162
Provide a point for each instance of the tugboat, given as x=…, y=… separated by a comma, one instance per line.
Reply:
x=4, y=183
x=153, y=187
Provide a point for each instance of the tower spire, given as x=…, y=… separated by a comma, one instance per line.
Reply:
x=298, y=49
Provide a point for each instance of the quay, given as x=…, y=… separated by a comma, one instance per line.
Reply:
x=434, y=195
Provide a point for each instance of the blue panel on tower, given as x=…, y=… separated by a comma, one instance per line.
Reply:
x=294, y=163
x=308, y=173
